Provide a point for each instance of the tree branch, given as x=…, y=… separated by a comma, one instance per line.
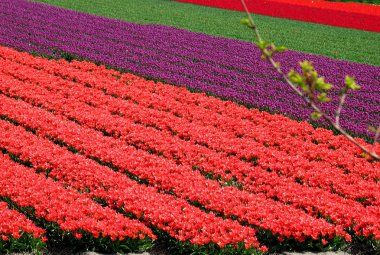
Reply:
x=339, y=109
x=307, y=99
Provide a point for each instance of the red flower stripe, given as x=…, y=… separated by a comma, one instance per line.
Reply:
x=172, y=99
x=66, y=207
x=257, y=181
x=175, y=216
x=343, y=210
x=255, y=209
x=217, y=118
x=119, y=127
x=349, y=15
x=15, y=224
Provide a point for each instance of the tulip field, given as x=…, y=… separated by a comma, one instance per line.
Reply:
x=118, y=137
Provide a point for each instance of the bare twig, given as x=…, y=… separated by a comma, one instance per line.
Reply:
x=253, y=24
x=307, y=99
x=339, y=109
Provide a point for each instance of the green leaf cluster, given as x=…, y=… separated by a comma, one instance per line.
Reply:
x=310, y=82
x=246, y=22
x=350, y=83
x=314, y=86
x=269, y=49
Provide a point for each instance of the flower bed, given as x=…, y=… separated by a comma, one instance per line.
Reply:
x=62, y=211
x=173, y=143
x=17, y=232
x=349, y=15
x=119, y=192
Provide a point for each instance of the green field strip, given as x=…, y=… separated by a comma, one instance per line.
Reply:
x=339, y=43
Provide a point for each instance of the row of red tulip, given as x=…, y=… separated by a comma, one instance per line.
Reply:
x=169, y=101
x=255, y=179
x=349, y=15
x=15, y=224
x=248, y=207
x=71, y=211
x=227, y=117
x=175, y=216
x=342, y=183
x=256, y=209
x=66, y=102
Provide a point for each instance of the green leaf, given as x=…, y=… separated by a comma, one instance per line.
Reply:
x=306, y=66
x=296, y=78
x=323, y=98
x=321, y=85
x=351, y=83
x=266, y=53
x=262, y=44
x=314, y=75
x=280, y=49
x=245, y=22
x=315, y=115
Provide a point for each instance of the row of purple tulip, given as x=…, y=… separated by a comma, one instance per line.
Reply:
x=227, y=68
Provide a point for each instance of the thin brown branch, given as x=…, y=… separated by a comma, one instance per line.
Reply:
x=339, y=109
x=350, y=138
x=307, y=99
x=253, y=24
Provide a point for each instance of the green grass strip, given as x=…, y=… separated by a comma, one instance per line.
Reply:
x=339, y=43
